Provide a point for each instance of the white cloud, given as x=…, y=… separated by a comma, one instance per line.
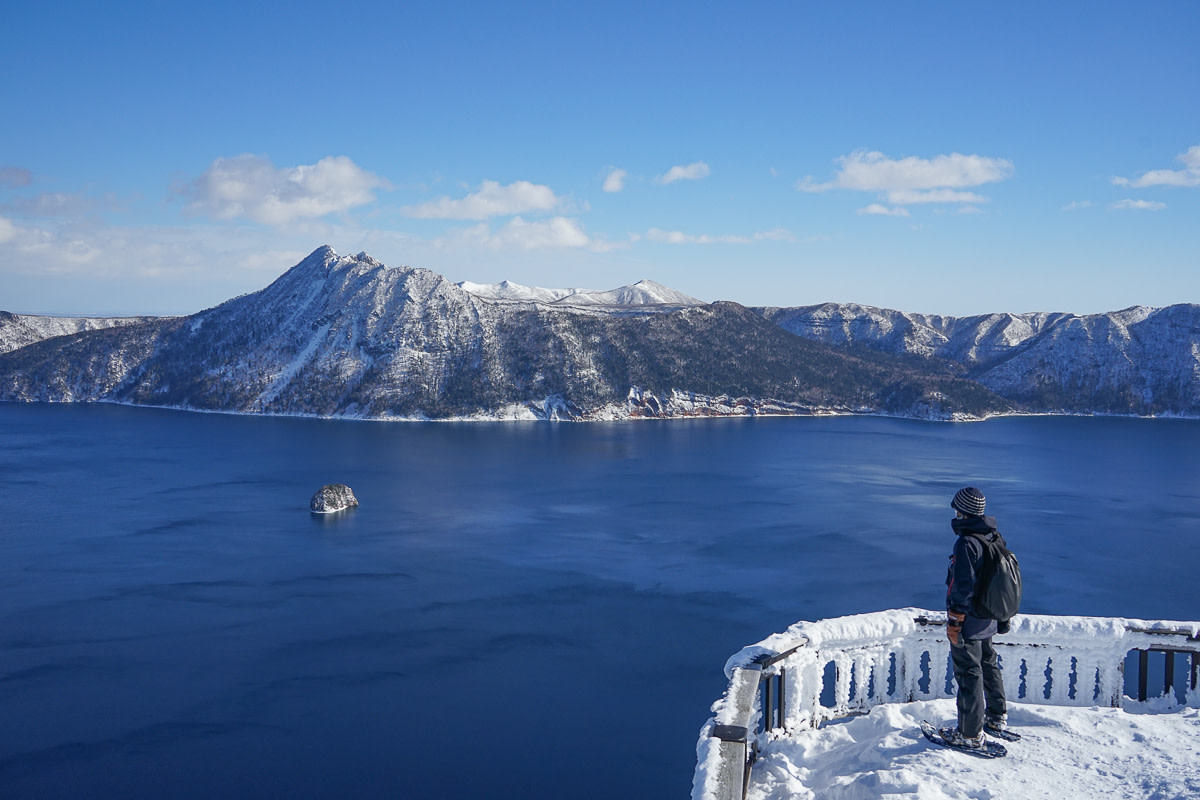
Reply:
x=873, y=171
x=252, y=187
x=1188, y=176
x=57, y=205
x=91, y=267
x=615, y=181
x=1074, y=204
x=882, y=210
x=268, y=261
x=679, y=237
x=911, y=180
x=521, y=235
x=774, y=235
x=96, y=250
x=56, y=248
x=691, y=172
x=492, y=200
x=15, y=177
x=8, y=231
x=554, y=232
x=1140, y=205
x=905, y=197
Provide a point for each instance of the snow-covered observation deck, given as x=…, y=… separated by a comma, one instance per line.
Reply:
x=830, y=709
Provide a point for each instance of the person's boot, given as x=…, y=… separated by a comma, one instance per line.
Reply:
x=955, y=738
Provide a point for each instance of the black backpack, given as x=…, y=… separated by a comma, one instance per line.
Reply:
x=998, y=582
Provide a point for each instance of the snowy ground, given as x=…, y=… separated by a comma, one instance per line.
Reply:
x=1065, y=753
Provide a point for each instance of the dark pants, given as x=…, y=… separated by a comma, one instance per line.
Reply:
x=980, y=685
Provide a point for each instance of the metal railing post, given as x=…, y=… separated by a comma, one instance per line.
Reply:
x=782, y=684
x=768, y=703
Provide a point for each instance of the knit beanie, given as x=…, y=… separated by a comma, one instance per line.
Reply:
x=969, y=501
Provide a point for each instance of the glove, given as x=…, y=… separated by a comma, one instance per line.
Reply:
x=954, y=624
x=1003, y=626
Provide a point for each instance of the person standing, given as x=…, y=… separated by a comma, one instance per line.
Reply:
x=981, y=701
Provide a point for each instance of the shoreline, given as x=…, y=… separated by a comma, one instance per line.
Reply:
x=599, y=416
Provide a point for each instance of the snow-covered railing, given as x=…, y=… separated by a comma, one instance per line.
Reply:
x=818, y=671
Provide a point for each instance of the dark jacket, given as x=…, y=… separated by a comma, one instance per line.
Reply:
x=964, y=567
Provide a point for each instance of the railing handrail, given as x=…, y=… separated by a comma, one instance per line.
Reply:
x=901, y=655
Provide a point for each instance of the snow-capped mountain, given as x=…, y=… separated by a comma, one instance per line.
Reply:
x=1139, y=360
x=507, y=291
x=349, y=336
x=18, y=330
x=642, y=296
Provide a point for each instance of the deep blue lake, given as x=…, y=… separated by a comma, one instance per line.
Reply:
x=514, y=610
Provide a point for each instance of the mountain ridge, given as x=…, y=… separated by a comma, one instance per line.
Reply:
x=349, y=336
x=1139, y=360
x=18, y=330
x=643, y=295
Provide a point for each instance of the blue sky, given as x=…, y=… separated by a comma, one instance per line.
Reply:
x=936, y=157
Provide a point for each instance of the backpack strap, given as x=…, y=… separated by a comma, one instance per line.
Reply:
x=987, y=563
x=989, y=546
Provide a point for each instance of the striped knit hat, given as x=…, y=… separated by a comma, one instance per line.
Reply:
x=969, y=501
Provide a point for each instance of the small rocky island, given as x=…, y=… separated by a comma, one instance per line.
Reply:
x=332, y=497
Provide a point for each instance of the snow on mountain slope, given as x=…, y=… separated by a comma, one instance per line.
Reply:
x=508, y=291
x=643, y=294
x=349, y=336
x=309, y=340
x=18, y=330
x=968, y=340
x=1139, y=360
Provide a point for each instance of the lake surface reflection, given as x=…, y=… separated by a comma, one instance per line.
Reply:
x=534, y=610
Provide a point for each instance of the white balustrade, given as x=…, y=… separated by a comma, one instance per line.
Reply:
x=902, y=655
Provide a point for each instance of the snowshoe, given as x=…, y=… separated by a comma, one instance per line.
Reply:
x=1000, y=731
x=951, y=739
